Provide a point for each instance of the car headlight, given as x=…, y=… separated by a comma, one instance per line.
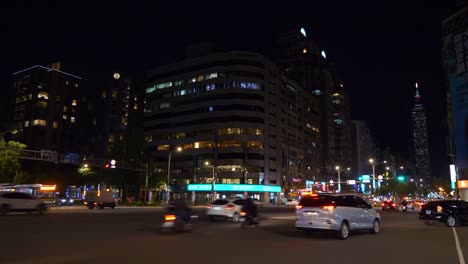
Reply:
x=71, y=200
x=63, y=200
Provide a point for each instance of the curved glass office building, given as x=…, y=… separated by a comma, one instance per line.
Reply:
x=234, y=117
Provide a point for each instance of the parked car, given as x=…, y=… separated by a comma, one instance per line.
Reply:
x=450, y=212
x=20, y=202
x=225, y=208
x=340, y=213
x=292, y=202
x=389, y=205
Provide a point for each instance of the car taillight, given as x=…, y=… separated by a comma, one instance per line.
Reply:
x=169, y=217
x=208, y=206
x=243, y=214
x=393, y=204
x=328, y=207
x=383, y=204
x=229, y=207
x=298, y=207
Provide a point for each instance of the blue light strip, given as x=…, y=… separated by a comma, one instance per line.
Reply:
x=234, y=188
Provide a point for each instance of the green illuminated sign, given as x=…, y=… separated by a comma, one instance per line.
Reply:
x=401, y=178
x=234, y=188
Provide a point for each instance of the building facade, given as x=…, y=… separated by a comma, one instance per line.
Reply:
x=420, y=139
x=300, y=59
x=455, y=59
x=236, y=118
x=46, y=109
x=363, y=148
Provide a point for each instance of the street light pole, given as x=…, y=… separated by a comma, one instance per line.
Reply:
x=339, y=178
x=169, y=173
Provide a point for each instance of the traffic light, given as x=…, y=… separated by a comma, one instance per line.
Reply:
x=401, y=178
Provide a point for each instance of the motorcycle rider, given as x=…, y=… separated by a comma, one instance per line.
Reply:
x=404, y=205
x=182, y=211
x=250, y=208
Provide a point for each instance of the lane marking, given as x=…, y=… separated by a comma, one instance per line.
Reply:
x=457, y=245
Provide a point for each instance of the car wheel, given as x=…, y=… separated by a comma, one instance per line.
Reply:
x=452, y=221
x=375, y=227
x=343, y=233
x=235, y=217
x=4, y=209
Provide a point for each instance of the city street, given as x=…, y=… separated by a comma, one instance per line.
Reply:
x=131, y=235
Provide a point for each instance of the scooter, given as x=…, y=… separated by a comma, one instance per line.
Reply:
x=173, y=223
x=404, y=208
x=247, y=220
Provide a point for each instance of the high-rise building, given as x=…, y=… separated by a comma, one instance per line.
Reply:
x=301, y=60
x=235, y=111
x=113, y=110
x=420, y=139
x=455, y=58
x=46, y=110
x=342, y=126
x=363, y=148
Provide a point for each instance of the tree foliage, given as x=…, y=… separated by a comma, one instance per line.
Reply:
x=9, y=159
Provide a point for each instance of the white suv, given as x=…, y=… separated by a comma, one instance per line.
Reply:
x=336, y=212
x=225, y=208
x=20, y=202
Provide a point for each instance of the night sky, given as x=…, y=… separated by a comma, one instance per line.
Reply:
x=380, y=48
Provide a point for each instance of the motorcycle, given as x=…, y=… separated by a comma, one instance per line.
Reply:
x=247, y=220
x=173, y=223
x=404, y=208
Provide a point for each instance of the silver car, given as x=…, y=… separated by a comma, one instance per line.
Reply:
x=336, y=212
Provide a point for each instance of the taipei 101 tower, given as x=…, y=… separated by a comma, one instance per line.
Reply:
x=420, y=139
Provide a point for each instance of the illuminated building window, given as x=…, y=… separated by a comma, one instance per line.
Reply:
x=72, y=119
x=41, y=104
x=163, y=85
x=304, y=50
x=148, y=138
x=64, y=117
x=177, y=83
x=336, y=94
x=42, y=95
x=200, y=78
x=254, y=144
x=193, y=80
x=317, y=92
x=21, y=99
x=103, y=94
x=39, y=122
x=55, y=125
x=65, y=109
x=179, y=135
x=74, y=102
x=111, y=139
x=211, y=76
x=204, y=144
x=163, y=147
x=338, y=121
x=135, y=107
x=29, y=96
x=121, y=138
x=26, y=123
x=151, y=89
x=225, y=144
x=115, y=93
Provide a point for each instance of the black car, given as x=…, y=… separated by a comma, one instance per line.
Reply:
x=451, y=212
x=389, y=205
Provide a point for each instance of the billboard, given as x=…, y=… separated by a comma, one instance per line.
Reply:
x=365, y=178
x=234, y=188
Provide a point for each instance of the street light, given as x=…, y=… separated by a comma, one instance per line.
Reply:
x=337, y=168
x=178, y=149
x=373, y=163
x=213, y=193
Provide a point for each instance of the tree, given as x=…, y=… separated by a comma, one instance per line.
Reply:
x=9, y=159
